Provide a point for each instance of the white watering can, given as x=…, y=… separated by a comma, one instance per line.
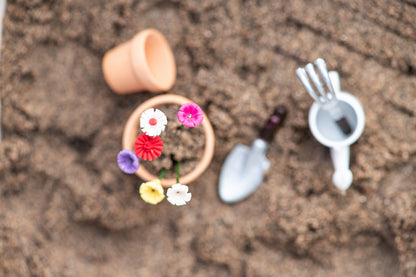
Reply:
x=336, y=119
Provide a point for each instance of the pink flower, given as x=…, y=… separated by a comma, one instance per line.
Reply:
x=190, y=115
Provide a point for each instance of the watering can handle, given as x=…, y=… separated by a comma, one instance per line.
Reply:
x=342, y=176
x=334, y=77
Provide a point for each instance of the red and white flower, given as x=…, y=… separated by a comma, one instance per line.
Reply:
x=153, y=122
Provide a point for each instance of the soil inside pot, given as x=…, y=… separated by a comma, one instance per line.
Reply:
x=182, y=144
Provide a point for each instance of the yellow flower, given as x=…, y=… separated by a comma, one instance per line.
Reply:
x=152, y=192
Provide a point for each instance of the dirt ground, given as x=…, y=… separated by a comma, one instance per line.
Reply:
x=67, y=210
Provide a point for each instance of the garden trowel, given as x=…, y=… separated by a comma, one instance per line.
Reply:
x=244, y=167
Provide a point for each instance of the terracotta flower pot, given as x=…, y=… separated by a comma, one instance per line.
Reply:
x=145, y=62
x=131, y=130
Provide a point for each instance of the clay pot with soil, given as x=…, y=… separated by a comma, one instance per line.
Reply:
x=192, y=147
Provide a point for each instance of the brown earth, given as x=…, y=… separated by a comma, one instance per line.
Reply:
x=67, y=210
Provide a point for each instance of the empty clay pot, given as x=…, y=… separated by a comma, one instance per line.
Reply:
x=146, y=62
x=131, y=131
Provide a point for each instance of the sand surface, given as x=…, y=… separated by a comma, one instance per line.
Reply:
x=67, y=210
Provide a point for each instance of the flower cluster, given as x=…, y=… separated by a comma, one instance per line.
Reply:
x=149, y=146
x=152, y=192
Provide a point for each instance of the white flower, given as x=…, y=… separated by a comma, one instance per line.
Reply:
x=153, y=122
x=178, y=194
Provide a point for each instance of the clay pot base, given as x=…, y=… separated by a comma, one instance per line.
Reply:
x=145, y=62
x=131, y=131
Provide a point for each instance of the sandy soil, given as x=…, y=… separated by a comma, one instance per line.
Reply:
x=67, y=210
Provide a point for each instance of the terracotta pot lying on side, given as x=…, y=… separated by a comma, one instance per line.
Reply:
x=131, y=131
x=145, y=62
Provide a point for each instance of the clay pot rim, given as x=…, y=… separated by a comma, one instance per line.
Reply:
x=139, y=42
x=131, y=130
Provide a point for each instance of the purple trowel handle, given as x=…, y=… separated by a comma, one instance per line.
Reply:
x=273, y=124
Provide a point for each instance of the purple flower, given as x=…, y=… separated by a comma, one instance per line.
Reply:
x=127, y=161
x=190, y=115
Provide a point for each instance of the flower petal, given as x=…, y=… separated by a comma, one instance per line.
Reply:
x=128, y=161
x=147, y=147
x=177, y=194
x=152, y=192
x=188, y=197
x=153, y=130
x=182, y=116
x=190, y=115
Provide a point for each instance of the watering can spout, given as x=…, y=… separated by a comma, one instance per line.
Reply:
x=342, y=176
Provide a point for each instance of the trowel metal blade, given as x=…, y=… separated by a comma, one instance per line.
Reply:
x=237, y=181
